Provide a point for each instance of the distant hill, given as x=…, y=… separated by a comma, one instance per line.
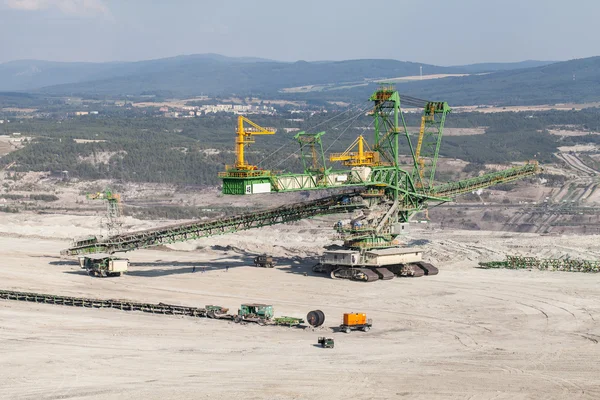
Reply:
x=576, y=81
x=190, y=76
x=209, y=74
x=492, y=67
x=527, y=82
x=35, y=74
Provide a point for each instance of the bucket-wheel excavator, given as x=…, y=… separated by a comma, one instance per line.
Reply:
x=381, y=193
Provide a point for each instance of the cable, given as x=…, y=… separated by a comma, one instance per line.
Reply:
x=353, y=117
x=308, y=129
x=340, y=135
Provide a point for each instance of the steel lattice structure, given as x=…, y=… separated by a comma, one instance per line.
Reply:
x=378, y=180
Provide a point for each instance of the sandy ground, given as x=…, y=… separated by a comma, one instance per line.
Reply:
x=466, y=333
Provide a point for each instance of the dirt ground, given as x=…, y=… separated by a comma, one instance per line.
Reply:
x=466, y=333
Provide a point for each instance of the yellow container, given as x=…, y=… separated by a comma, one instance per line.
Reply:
x=355, y=319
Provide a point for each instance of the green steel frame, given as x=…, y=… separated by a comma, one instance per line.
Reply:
x=544, y=264
x=311, y=148
x=434, y=117
x=394, y=186
x=335, y=204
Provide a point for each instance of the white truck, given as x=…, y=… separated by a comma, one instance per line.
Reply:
x=103, y=265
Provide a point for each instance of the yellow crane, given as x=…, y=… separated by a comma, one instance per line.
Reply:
x=358, y=158
x=244, y=138
x=428, y=116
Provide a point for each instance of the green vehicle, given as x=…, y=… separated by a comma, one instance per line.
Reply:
x=259, y=313
x=289, y=321
x=217, y=312
x=326, y=343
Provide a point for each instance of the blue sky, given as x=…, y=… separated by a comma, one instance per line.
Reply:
x=448, y=32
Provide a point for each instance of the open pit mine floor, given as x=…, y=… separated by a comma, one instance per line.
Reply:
x=466, y=333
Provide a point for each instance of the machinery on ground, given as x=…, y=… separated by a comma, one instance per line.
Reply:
x=114, y=210
x=315, y=318
x=103, y=265
x=217, y=312
x=264, y=261
x=259, y=313
x=374, y=264
x=210, y=311
x=374, y=185
x=288, y=321
x=566, y=264
x=326, y=343
x=355, y=321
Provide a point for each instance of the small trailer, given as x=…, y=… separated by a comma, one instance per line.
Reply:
x=289, y=321
x=355, y=322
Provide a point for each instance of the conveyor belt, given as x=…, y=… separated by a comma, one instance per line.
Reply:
x=99, y=303
x=494, y=178
x=199, y=229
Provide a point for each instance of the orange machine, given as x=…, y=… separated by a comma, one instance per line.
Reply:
x=351, y=319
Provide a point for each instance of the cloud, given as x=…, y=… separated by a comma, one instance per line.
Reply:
x=70, y=7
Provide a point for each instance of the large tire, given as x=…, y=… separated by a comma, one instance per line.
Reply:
x=366, y=329
x=346, y=330
x=321, y=317
x=315, y=318
x=237, y=319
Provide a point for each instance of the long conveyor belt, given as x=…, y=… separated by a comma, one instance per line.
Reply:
x=99, y=303
x=486, y=180
x=198, y=229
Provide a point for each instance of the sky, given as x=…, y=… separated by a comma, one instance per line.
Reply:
x=442, y=32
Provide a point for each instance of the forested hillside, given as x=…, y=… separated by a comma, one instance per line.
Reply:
x=192, y=151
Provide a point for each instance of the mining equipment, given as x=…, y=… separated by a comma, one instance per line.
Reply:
x=288, y=321
x=566, y=264
x=264, y=261
x=375, y=264
x=355, y=321
x=114, y=210
x=103, y=265
x=315, y=318
x=379, y=192
x=210, y=311
x=326, y=343
x=259, y=313
x=217, y=312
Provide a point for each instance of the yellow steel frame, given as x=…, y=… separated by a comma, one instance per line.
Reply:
x=357, y=159
x=244, y=137
x=427, y=117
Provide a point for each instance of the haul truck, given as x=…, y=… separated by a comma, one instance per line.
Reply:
x=103, y=265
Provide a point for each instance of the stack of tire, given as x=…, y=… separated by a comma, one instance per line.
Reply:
x=315, y=318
